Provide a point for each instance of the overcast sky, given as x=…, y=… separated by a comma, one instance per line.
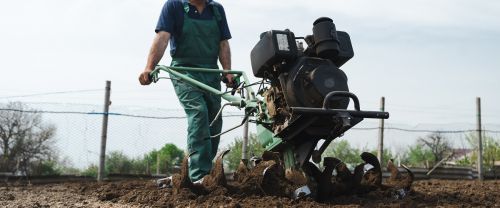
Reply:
x=430, y=59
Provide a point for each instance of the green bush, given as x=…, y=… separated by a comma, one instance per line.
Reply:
x=419, y=156
x=233, y=158
x=117, y=162
x=169, y=155
x=49, y=167
x=491, y=149
x=90, y=171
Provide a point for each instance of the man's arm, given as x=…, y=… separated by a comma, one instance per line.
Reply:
x=225, y=59
x=156, y=52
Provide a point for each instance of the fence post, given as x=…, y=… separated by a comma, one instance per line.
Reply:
x=480, y=141
x=244, y=145
x=244, y=148
x=380, y=152
x=104, y=132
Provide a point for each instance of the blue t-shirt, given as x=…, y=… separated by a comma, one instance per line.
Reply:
x=172, y=19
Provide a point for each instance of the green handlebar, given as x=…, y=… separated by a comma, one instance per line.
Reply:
x=176, y=71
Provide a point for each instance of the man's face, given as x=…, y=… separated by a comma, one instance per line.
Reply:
x=197, y=1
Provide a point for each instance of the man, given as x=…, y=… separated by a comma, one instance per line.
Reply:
x=198, y=33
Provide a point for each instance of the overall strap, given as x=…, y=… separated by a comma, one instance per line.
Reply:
x=216, y=12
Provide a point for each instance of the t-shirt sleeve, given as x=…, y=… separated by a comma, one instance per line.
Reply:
x=166, y=21
x=224, y=28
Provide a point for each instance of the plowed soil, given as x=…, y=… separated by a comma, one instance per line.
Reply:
x=144, y=193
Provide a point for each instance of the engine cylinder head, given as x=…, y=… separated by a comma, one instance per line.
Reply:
x=325, y=37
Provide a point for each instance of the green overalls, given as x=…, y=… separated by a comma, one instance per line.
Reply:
x=198, y=46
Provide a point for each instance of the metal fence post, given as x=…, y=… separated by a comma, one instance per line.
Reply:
x=480, y=141
x=104, y=132
x=380, y=152
x=244, y=147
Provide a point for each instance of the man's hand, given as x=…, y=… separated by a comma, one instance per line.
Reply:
x=229, y=78
x=225, y=61
x=155, y=53
x=144, y=77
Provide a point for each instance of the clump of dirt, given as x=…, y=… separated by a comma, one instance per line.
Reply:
x=265, y=179
x=268, y=178
x=7, y=197
x=398, y=179
x=181, y=182
x=216, y=180
x=241, y=171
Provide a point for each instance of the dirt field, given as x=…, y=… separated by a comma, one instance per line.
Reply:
x=143, y=193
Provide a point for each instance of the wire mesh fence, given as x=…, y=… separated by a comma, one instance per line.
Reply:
x=133, y=133
x=136, y=133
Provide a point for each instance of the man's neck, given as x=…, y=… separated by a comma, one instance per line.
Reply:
x=198, y=3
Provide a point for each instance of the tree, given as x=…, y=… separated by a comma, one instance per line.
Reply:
x=233, y=158
x=46, y=167
x=491, y=149
x=417, y=156
x=439, y=146
x=117, y=162
x=465, y=161
x=491, y=152
x=65, y=166
x=342, y=150
x=170, y=155
x=91, y=171
x=139, y=166
x=26, y=141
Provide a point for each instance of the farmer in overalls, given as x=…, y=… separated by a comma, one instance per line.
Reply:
x=198, y=33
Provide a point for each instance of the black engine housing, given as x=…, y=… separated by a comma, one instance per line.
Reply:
x=302, y=78
x=305, y=76
x=310, y=79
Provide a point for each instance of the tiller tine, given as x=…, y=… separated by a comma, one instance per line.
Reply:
x=324, y=179
x=343, y=173
x=371, y=159
x=373, y=176
x=410, y=178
